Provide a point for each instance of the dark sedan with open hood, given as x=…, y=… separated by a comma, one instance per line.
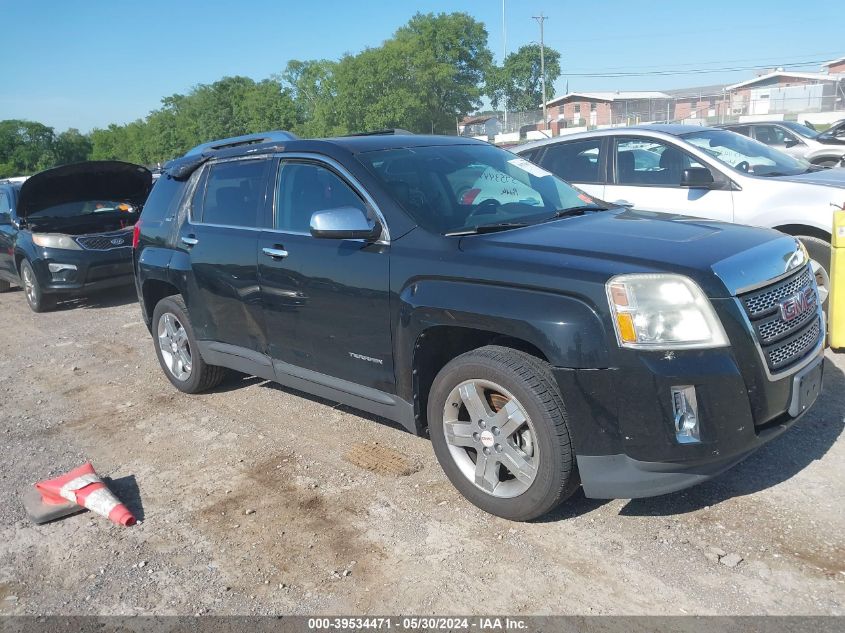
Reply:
x=68, y=230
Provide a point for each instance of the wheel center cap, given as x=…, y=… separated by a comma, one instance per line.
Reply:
x=487, y=439
x=174, y=346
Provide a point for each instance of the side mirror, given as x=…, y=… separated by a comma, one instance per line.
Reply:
x=697, y=178
x=344, y=223
x=791, y=142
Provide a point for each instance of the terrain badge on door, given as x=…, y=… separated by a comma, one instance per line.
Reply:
x=369, y=359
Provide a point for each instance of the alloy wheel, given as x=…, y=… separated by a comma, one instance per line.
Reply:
x=491, y=438
x=29, y=285
x=174, y=346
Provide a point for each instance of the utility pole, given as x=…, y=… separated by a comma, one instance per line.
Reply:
x=540, y=19
x=504, y=55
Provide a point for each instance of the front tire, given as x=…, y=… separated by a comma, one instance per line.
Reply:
x=819, y=251
x=5, y=286
x=177, y=349
x=498, y=427
x=35, y=297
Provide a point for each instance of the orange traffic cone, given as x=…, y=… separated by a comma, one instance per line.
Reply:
x=84, y=487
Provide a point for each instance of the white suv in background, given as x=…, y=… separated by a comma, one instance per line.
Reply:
x=703, y=172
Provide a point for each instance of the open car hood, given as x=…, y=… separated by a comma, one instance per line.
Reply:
x=81, y=182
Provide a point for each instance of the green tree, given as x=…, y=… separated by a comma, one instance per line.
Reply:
x=422, y=79
x=449, y=59
x=71, y=146
x=229, y=107
x=518, y=79
x=26, y=147
x=313, y=87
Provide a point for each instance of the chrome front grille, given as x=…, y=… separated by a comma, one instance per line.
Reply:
x=783, y=354
x=766, y=299
x=773, y=327
x=105, y=242
x=783, y=342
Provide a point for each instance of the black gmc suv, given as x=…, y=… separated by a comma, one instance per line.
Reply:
x=540, y=338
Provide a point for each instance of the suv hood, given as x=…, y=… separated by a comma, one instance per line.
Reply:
x=613, y=242
x=824, y=177
x=80, y=182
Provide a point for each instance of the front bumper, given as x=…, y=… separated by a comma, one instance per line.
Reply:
x=622, y=423
x=94, y=270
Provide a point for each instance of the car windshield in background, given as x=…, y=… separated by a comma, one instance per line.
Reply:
x=800, y=129
x=452, y=189
x=744, y=154
x=85, y=208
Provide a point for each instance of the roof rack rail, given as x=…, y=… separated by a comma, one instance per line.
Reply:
x=246, y=139
x=397, y=131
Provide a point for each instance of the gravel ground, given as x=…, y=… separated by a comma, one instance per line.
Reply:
x=255, y=499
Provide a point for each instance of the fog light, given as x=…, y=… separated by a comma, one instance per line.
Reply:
x=685, y=411
x=62, y=272
x=57, y=268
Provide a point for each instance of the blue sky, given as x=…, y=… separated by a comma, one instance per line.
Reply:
x=88, y=64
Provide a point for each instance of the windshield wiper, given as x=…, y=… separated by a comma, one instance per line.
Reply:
x=488, y=228
x=580, y=210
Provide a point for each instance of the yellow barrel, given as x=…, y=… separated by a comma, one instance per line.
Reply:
x=836, y=300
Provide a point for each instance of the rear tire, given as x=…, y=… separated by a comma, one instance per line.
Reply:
x=827, y=163
x=35, y=297
x=177, y=349
x=516, y=425
x=819, y=251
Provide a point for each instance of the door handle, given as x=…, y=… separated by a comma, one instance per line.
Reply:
x=275, y=253
x=190, y=241
x=623, y=203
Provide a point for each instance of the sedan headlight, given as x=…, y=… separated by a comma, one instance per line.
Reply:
x=56, y=240
x=662, y=311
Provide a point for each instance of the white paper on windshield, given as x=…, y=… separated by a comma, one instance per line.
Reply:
x=530, y=167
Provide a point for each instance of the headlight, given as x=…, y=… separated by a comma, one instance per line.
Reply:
x=662, y=311
x=55, y=240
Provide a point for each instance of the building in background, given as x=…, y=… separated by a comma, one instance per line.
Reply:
x=784, y=92
x=608, y=108
x=835, y=66
x=776, y=94
x=483, y=125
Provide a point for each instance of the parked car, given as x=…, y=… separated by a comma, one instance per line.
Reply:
x=795, y=139
x=541, y=342
x=704, y=172
x=68, y=231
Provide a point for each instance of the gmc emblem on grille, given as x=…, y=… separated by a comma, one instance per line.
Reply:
x=118, y=241
x=793, y=307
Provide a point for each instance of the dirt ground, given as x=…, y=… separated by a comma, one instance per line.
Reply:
x=255, y=499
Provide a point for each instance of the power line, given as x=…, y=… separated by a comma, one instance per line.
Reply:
x=769, y=60
x=692, y=71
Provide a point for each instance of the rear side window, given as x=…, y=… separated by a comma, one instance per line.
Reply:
x=5, y=205
x=163, y=199
x=234, y=194
x=578, y=161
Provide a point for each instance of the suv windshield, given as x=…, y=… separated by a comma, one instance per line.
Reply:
x=466, y=188
x=745, y=155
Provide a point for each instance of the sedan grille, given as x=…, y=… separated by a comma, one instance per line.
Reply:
x=105, y=242
x=785, y=336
